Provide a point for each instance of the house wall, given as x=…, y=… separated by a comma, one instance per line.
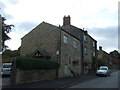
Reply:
x=29, y=76
x=44, y=36
x=91, y=55
x=68, y=55
x=50, y=38
x=103, y=56
x=87, y=57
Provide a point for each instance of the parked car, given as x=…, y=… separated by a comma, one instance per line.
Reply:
x=103, y=70
x=6, y=68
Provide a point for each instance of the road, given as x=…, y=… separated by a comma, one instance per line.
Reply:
x=101, y=82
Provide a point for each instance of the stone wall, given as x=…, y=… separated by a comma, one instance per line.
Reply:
x=44, y=36
x=28, y=76
x=68, y=55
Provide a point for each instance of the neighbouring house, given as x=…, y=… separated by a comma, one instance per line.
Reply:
x=73, y=48
x=115, y=61
x=104, y=57
x=115, y=58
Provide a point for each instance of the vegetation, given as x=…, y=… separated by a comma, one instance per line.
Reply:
x=29, y=63
x=9, y=54
x=5, y=30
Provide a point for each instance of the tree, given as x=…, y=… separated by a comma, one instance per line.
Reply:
x=5, y=30
x=9, y=53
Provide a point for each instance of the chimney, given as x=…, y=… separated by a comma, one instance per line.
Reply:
x=100, y=47
x=66, y=20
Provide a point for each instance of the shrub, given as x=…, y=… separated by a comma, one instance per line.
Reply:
x=29, y=63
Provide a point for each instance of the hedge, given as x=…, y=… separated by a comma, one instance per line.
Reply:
x=29, y=63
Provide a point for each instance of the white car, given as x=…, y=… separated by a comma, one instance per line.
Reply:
x=6, y=68
x=103, y=70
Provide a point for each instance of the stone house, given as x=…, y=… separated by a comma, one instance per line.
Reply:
x=104, y=57
x=68, y=45
x=88, y=47
x=63, y=47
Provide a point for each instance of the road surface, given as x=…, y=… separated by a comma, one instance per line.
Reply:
x=101, y=82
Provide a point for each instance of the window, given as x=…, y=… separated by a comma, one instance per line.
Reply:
x=94, y=54
x=85, y=38
x=85, y=50
x=74, y=44
x=70, y=60
x=93, y=44
x=65, y=39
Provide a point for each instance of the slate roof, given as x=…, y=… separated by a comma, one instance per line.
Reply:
x=77, y=32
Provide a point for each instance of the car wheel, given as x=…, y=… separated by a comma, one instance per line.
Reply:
x=107, y=75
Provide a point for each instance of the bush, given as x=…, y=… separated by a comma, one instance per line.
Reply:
x=29, y=63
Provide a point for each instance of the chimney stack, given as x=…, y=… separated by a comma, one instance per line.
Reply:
x=66, y=20
x=100, y=47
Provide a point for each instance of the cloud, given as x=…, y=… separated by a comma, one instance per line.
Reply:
x=106, y=37
x=4, y=13
x=25, y=26
x=98, y=16
x=15, y=41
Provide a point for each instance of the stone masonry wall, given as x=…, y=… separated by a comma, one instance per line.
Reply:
x=68, y=55
x=44, y=36
x=28, y=76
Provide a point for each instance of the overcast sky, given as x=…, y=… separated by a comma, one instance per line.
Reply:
x=99, y=17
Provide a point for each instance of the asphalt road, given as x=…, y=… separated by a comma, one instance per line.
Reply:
x=101, y=82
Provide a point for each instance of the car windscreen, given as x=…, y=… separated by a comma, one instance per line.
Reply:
x=6, y=66
x=102, y=68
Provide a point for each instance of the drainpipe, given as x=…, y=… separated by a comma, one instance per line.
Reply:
x=59, y=52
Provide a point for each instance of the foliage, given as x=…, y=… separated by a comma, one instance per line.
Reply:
x=9, y=54
x=29, y=63
x=5, y=30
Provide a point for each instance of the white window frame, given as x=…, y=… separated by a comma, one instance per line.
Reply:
x=75, y=44
x=65, y=39
x=85, y=37
x=85, y=50
x=94, y=54
x=93, y=44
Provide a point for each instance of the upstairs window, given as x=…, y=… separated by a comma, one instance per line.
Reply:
x=65, y=39
x=74, y=44
x=93, y=44
x=94, y=54
x=85, y=38
x=85, y=50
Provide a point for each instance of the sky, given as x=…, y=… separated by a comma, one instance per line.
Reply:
x=98, y=17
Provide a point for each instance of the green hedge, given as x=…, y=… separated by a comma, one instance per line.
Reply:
x=29, y=63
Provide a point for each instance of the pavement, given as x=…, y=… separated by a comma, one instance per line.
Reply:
x=59, y=83
x=56, y=83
